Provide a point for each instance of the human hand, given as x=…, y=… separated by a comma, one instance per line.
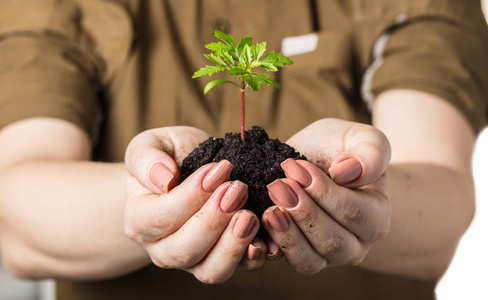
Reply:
x=319, y=221
x=196, y=226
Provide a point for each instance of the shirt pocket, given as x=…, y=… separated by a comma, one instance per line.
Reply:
x=319, y=84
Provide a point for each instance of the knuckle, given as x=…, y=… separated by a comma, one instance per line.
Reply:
x=159, y=263
x=352, y=214
x=181, y=258
x=355, y=261
x=211, y=278
x=310, y=268
x=306, y=216
x=331, y=248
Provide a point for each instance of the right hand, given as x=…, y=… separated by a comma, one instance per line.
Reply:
x=197, y=226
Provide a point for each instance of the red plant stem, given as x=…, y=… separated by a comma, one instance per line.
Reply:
x=243, y=108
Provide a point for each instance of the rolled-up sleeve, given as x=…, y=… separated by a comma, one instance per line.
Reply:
x=436, y=46
x=52, y=64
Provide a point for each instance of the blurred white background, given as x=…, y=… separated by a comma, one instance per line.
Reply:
x=467, y=277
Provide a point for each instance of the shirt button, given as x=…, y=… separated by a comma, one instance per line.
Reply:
x=222, y=25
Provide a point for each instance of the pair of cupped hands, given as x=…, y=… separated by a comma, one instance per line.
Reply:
x=199, y=226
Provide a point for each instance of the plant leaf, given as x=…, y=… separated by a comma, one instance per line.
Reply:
x=246, y=52
x=226, y=38
x=208, y=70
x=259, y=50
x=243, y=42
x=269, y=66
x=213, y=83
x=213, y=58
x=238, y=72
x=266, y=80
x=254, y=83
x=216, y=47
x=228, y=58
x=277, y=59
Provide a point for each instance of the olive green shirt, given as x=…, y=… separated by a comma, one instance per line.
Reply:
x=116, y=68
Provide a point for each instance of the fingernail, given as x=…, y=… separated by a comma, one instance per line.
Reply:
x=217, y=175
x=234, y=197
x=161, y=177
x=277, y=220
x=272, y=250
x=281, y=194
x=296, y=172
x=244, y=225
x=346, y=171
x=253, y=252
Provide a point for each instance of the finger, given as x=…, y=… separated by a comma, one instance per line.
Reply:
x=223, y=259
x=152, y=156
x=365, y=211
x=295, y=247
x=149, y=217
x=365, y=158
x=191, y=242
x=274, y=251
x=255, y=257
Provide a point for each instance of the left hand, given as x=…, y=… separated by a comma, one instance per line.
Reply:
x=321, y=221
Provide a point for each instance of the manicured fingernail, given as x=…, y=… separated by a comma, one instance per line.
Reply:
x=277, y=220
x=217, y=175
x=244, y=225
x=346, y=171
x=296, y=172
x=253, y=252
x=281, y=194
x=234, y=198
x=161, y=177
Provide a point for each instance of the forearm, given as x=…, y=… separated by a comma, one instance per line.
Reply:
x=65, y=219
x=432, y=207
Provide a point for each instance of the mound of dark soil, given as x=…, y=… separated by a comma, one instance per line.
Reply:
x=256, y=162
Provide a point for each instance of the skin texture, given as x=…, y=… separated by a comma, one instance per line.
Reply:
x=424, y=200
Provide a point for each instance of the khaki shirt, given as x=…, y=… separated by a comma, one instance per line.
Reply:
x=115, y=68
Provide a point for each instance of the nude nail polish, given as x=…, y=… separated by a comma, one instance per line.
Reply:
x=281, y=194
x=253, y=252
x=161, y=177
x=295, y=171
x=217, y=175
x=277, y=220
x=234, y=198
x=244, y=225
x=346, y=171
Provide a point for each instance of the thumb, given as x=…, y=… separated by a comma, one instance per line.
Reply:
x=152, y=156
x=364, y=161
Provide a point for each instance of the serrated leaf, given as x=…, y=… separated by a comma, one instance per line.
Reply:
x=259, y=50
x=243, y=42
x=277, y=59
x=255, y=64
x=228, y=58
x=269, y=66
x=238, y=72
x=254, y=83
x=213, y=58
x=226, y=38
x=266, y=80
x=216, y=47
x=213, y=83
x=246, y=53
x=208, y=70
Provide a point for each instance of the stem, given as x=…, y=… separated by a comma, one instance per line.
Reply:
x=243, y=108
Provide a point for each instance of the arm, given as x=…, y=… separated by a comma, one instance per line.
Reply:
x=324, y=221
x=431, y=185
x=60, y=214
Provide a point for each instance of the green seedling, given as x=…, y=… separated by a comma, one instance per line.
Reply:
x=240, y=61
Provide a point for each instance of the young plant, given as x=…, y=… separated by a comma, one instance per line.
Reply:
x=240, y=61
